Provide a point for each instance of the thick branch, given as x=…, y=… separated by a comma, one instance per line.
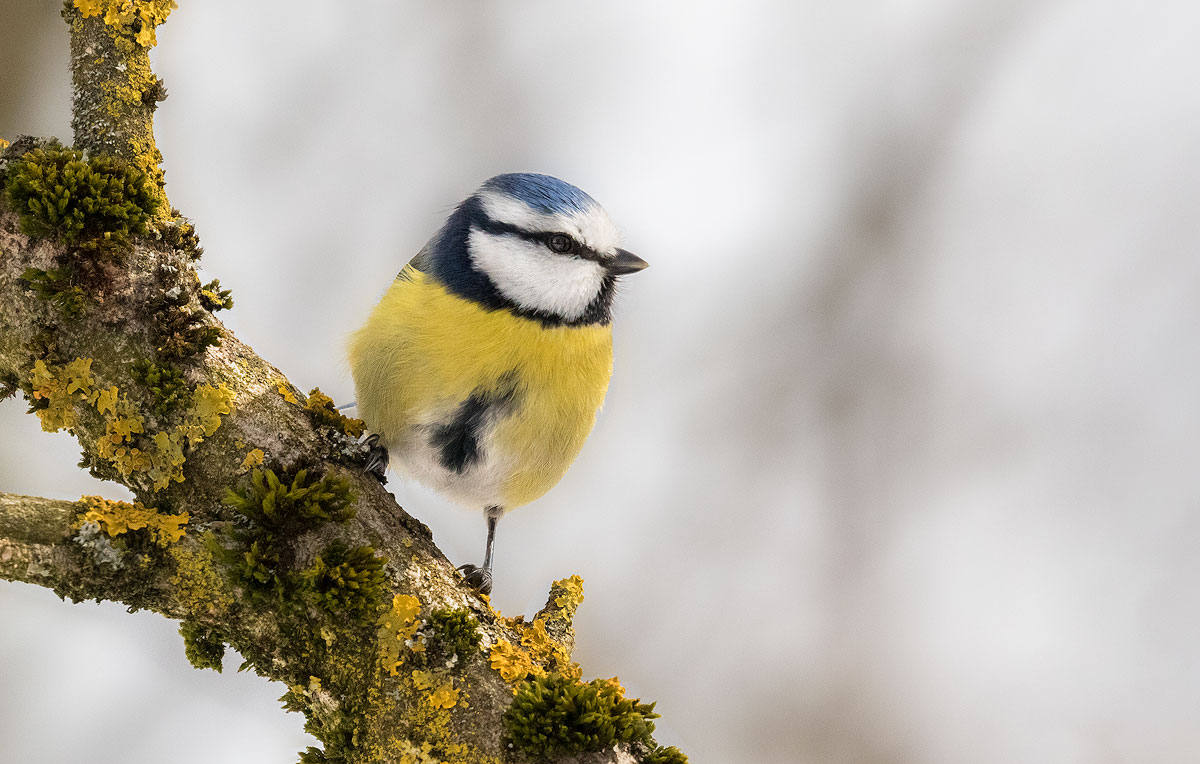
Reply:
x=32, y=532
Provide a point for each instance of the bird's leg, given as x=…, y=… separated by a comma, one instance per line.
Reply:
x=377, y=458
x=481, y=577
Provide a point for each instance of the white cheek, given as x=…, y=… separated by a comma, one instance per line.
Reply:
x=535, y=278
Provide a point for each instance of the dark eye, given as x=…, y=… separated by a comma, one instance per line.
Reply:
x=561, y=243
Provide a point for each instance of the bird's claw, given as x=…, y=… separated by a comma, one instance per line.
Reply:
x=377, y=459
x=479, y=578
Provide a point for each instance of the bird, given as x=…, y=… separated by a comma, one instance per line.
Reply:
x=481, y=370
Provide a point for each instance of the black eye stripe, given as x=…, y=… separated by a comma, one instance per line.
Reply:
x=499, y=228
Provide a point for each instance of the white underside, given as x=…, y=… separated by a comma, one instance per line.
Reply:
x=480, y=486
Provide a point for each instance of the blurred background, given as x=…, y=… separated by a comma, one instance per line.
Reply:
x=899, y=463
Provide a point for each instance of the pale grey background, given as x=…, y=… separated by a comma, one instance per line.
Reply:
x=900, y=459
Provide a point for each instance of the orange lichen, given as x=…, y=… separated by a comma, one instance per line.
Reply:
x=129, y=15
x=512, y=662
x=442, y=693
x=117, y=517
x=396, y=628
x=568, y=595
x=252, y=460
x=286, y=392
x=57, y=391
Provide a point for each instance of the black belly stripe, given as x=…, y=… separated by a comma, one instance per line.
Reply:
x=457, y=441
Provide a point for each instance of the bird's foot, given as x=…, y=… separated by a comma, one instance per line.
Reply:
x=479, y=578
x=377, y=459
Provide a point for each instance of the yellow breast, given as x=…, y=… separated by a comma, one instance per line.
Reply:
x=424, y=352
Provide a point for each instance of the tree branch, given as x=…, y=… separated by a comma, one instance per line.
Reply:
x=32, y=531
x=255, y=524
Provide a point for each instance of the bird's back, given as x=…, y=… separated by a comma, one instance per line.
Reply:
x=484, y=405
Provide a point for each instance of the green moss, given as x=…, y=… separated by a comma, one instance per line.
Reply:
x=335, y=729
x=214, y=298
x=273, y=512
x=204, y=647
x=10, y=383
x=661, y=755
x=96, y=203
x=183, y=331
x=455, y=638
x=345, y=580
x=168, y=386
x=58, y=288
x=180, y=235
x=555, y=716
x=313, y=755
x=296, y=503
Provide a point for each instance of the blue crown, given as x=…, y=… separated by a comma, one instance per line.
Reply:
x=542, y=192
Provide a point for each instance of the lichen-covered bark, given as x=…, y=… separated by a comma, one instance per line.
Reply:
x=115, y=94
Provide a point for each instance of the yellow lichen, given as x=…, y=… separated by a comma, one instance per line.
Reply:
x=196, y=582
x=61, y=388
x=123, y=443
x=208, y=404
x=286, y=392
x=200, y=420
x=537, y=640
x=513, y=663
x=252, y=460
x=568, y=595
x=396, y=627
x=444, y=695
x=428, y=698
x=127, y=15
x=537, y=654
x=166, y=460
x=117, y=517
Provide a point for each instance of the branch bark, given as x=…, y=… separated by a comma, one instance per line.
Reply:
x=130, y=371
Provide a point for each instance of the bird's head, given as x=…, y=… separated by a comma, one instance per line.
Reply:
x=532, y=244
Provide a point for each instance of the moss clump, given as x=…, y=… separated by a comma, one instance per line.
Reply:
x=291, y=505
x=181, y=236
x=273, y=512
x=554, y=716
x=168, y=386
x=95, y=204
x=57, y=287
x=313, y=755
x=668, y=755
x=203, y=646
x=324, y=414
x=10, y=383
x=346, y=580
x=454, y=639
x=214, y=298
x=183, y=330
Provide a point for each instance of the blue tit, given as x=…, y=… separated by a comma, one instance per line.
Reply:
x=481, y=370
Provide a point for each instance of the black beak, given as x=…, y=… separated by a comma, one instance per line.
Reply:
x=625, y=262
